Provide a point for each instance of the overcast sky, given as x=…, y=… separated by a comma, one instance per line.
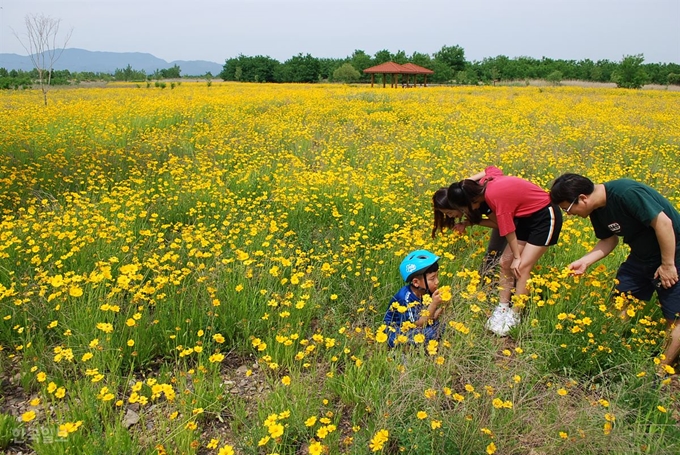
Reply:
x=216, y=30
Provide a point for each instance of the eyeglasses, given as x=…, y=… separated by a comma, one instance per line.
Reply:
x=570, y=206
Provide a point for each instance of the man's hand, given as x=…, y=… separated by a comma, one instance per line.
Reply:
x=578, y=267
x=667, y=275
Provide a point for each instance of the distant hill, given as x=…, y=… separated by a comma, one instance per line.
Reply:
x=79, y=60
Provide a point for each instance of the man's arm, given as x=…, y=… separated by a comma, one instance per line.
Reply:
x=667, y=272
x=600, y=250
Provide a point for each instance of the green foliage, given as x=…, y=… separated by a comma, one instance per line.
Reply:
x=382, y=56
x=8, y=427
x=360, y=60
x=301, y=69
x=452, y=56
x=250, y=69
x=674, y=79
x=555, y=78
x=630, y=73
x=129, y=74
x=170, y=73
x=346, y=73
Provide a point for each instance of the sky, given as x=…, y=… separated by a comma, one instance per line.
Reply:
x=216, y=30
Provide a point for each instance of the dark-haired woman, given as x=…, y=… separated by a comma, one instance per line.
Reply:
x=525, y=217
x=445, y=216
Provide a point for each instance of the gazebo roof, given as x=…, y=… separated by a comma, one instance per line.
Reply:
x=417, y=69
x=387, y=67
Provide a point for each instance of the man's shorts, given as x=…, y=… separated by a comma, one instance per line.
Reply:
x=541, y=228
x=637, y=278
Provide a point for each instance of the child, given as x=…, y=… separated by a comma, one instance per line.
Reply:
x=406, y=315
x=525, y=217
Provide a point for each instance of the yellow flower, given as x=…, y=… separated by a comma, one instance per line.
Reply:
x=285, y=380
x=381, y=337
x=311, y=421
x=226, y=450
x=275, y=430
x=191, y=426
x=445, y=293
x=379, y=440
x=75, y=291
x=28, y=416
x=491, y=448
x=419, y=338
x=435, y=424
x=215, y=358
x=421, y=415
x=661, y=409
x=315, y=448
x=562, y=392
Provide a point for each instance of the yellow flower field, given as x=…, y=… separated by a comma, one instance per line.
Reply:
x=204, y=269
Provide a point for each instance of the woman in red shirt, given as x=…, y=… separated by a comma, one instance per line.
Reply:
x=525, y=217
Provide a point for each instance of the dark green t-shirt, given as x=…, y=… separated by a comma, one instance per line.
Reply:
x=631, y=207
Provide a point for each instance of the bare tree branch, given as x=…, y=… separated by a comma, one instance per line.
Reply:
x=41, y=45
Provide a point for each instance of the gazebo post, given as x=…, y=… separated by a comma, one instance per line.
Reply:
x=384, y=75
x=372, y=79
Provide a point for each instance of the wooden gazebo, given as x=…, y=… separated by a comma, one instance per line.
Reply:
x=417, y=69
x=394, y=70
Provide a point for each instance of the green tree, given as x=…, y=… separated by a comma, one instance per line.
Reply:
x=360, y=60
x=452, y=56
x=171, y=73
x=302, y=69
x=346, y=73
x=250, y=69
x=400, y=57
x=555, y=78
x=630, y=73
x=423, y=60
x=382, y=57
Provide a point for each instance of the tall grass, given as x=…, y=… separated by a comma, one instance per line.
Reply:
x=206, y=272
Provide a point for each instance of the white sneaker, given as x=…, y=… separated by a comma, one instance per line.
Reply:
x=497, y=321
x=502, y=320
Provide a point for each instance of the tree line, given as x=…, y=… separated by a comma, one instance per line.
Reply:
x=20, y=79
x=451, y=67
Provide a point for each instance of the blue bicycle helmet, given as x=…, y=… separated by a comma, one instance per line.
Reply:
x=416, y=263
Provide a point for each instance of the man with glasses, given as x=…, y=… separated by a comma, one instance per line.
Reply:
x=648, y=223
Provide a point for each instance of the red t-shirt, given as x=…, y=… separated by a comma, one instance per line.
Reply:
x=511, y=197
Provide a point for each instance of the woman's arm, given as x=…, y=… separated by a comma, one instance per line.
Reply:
x=477, y=176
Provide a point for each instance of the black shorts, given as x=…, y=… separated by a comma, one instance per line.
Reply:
x=637, y=278
x=541, y=228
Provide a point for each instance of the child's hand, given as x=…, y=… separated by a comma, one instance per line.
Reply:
x=436, y=298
